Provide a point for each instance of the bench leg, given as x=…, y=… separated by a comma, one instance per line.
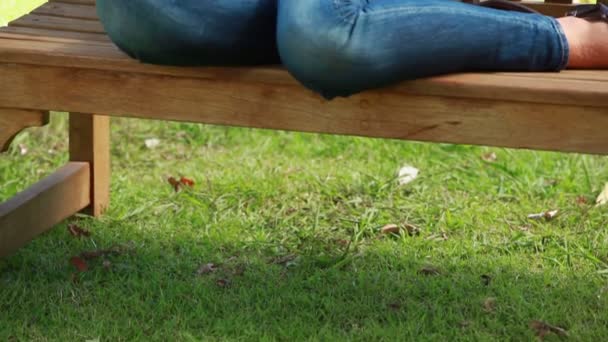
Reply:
x=90, y=142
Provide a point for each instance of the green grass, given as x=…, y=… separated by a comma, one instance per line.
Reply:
x=318, y=203
x=263, y=195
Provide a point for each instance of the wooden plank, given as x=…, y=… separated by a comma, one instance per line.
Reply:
x=90, y=142
x=387, y=113
x=58, y=23
x=42, y=206
x=13, y=121
x=552, y=88
x=37, y=32
x=80, y=2
x=74, y=11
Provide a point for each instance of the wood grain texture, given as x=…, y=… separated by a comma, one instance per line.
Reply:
x=42, y=206
x=385, y=113
x=90, y=142
x=13, y=121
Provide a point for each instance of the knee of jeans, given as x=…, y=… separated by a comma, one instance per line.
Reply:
x=190, y=32
x=321, y=55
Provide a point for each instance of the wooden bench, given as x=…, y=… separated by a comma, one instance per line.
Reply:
x=58, y=58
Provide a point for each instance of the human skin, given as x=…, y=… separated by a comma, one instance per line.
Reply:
x=588, y=42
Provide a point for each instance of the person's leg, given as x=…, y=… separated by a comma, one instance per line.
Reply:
x=588, y=42
x=340, y=47
x=193, y=32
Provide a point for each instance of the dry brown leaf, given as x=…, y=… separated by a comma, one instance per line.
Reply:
x=489, y=304
x=223, y=282
x=394, y=305
x=395, y=229
x=390, y=229
x=547, y=215
x=284, y=260
x=465, y=324
x=77, y=231
x=602, y=198
x=543, y=328
x=489, y=157
x=206, y=269
x=429, y=270
x=438, y=237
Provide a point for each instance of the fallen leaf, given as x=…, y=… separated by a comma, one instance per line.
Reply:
x=543, y=328
x=547, y=215
x=79, y=263
x=411, y=229
x=465, y=324
x=550, y=182
x=390, y=229
x=438, y=237
x=223, y=282
x=395, y=229
x=22, y=149
x=284, y=260
x=429, y=270
x=394, y=305
x=175, y=183
x=152, y=143
x=77, y=231
x=186, y=181
x=238, y=270
x=489, y=157
x=489, y=304
x=407, y=174
x=486, y=279
x=602, y=198
x=206, y=269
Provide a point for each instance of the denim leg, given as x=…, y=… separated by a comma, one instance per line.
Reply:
x=341, y=47
x=193, y=32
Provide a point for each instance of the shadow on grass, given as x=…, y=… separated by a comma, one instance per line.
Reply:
x=384, y=291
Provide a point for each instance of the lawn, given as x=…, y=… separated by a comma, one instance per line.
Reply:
x=280, y=239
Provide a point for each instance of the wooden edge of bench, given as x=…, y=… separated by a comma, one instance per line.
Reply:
x=13, y=121
x=43, y=205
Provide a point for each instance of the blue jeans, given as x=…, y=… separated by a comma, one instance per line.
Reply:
x=337, y=47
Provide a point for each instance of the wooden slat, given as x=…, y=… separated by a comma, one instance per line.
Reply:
x=42, y=206
x=551, y=88
x=13, y=121
x=380, y=113
x=37, y=32
x=90, y=142
x=78, y=2
x=58, y=23
x=74, y=11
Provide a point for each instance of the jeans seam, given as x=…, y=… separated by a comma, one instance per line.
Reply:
x=563, y=42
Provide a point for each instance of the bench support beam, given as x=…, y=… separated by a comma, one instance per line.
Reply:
x=13, y=121
x=43, y=205
x=90, y=142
